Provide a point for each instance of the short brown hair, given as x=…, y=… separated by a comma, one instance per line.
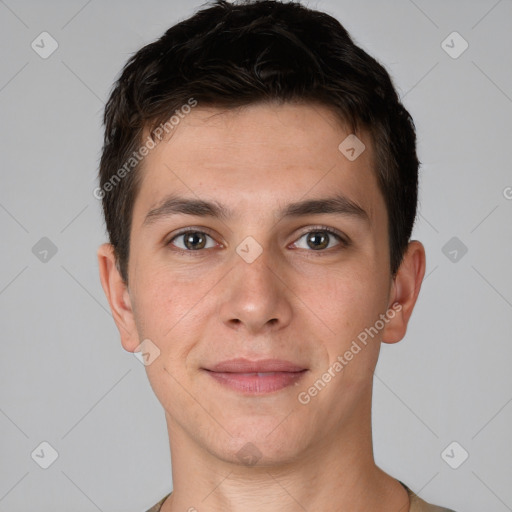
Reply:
x=230, y=55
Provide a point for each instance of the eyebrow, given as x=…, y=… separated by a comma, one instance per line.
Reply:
x=175, y=205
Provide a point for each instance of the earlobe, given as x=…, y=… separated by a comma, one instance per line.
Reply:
x=405, y=290
x=118, y=297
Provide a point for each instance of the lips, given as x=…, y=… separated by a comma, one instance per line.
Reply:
x=242, y=365
x=256, y=377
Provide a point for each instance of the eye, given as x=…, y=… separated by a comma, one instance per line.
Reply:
x=192, y=240
x=320, y=238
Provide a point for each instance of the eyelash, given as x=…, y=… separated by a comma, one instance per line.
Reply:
x=343, y=241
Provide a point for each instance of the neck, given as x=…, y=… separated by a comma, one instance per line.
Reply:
x=336, y=473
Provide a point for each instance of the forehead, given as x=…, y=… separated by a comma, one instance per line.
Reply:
x=259, y=157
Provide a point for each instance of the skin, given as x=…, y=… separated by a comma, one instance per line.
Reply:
x=293, y=302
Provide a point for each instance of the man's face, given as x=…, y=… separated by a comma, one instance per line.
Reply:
x=254, y=284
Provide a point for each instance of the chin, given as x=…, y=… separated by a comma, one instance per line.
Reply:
x=261, y=441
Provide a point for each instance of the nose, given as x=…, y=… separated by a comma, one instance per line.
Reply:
x=256, y=298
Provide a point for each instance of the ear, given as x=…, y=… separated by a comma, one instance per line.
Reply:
x=118, y=297
x=404, y=292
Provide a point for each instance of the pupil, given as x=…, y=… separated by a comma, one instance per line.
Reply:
x=191, y=239
x=318, y=236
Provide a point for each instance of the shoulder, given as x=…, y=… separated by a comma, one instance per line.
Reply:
x=157, y=506
x=419, y=505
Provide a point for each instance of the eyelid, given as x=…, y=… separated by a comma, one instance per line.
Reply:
x=190, y=229
x=344, y=240
x=321, y=227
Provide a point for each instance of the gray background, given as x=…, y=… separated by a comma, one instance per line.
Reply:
x=65, y=378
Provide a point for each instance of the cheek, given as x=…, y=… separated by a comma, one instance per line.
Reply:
x=171, y=307
x=347, y=301
x=159, y=303
x=164, y=292
x=344, y=293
